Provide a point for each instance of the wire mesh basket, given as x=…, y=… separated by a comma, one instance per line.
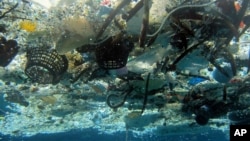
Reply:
x=113, y=55
x=45, y=66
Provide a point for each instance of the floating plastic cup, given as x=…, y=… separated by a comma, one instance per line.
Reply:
x=45, y=66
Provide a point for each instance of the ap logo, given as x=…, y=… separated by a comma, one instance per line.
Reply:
x=239, y=132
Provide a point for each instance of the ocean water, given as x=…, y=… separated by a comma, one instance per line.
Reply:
x=93, y=135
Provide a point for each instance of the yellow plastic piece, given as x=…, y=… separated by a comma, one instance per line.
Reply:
x=28, y=26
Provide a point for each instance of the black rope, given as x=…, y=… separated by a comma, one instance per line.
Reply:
x=3, y=15
x=145, y=94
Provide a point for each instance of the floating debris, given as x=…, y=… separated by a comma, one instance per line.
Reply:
x=49, y=99
x=16, y=97
x=114, y=52
x=146, y=93
x=28, y=26
x=77, y=31
x=45, y=66
x=239, y=117
x=8, y=50
x=111, y=16
x=195, y=80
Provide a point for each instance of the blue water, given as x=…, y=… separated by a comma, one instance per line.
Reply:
x=93, y=135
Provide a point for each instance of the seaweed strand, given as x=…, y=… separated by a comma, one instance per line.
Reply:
x=231, y=60
x=224, y=93
x=145, y=94
x=124, y=96
x=145, y=22
x=176, y=10
x=180, y=57
x=220, y=69
x=12, y=8
x=228, y=23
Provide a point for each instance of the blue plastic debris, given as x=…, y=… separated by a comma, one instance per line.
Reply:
x=195, y=80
